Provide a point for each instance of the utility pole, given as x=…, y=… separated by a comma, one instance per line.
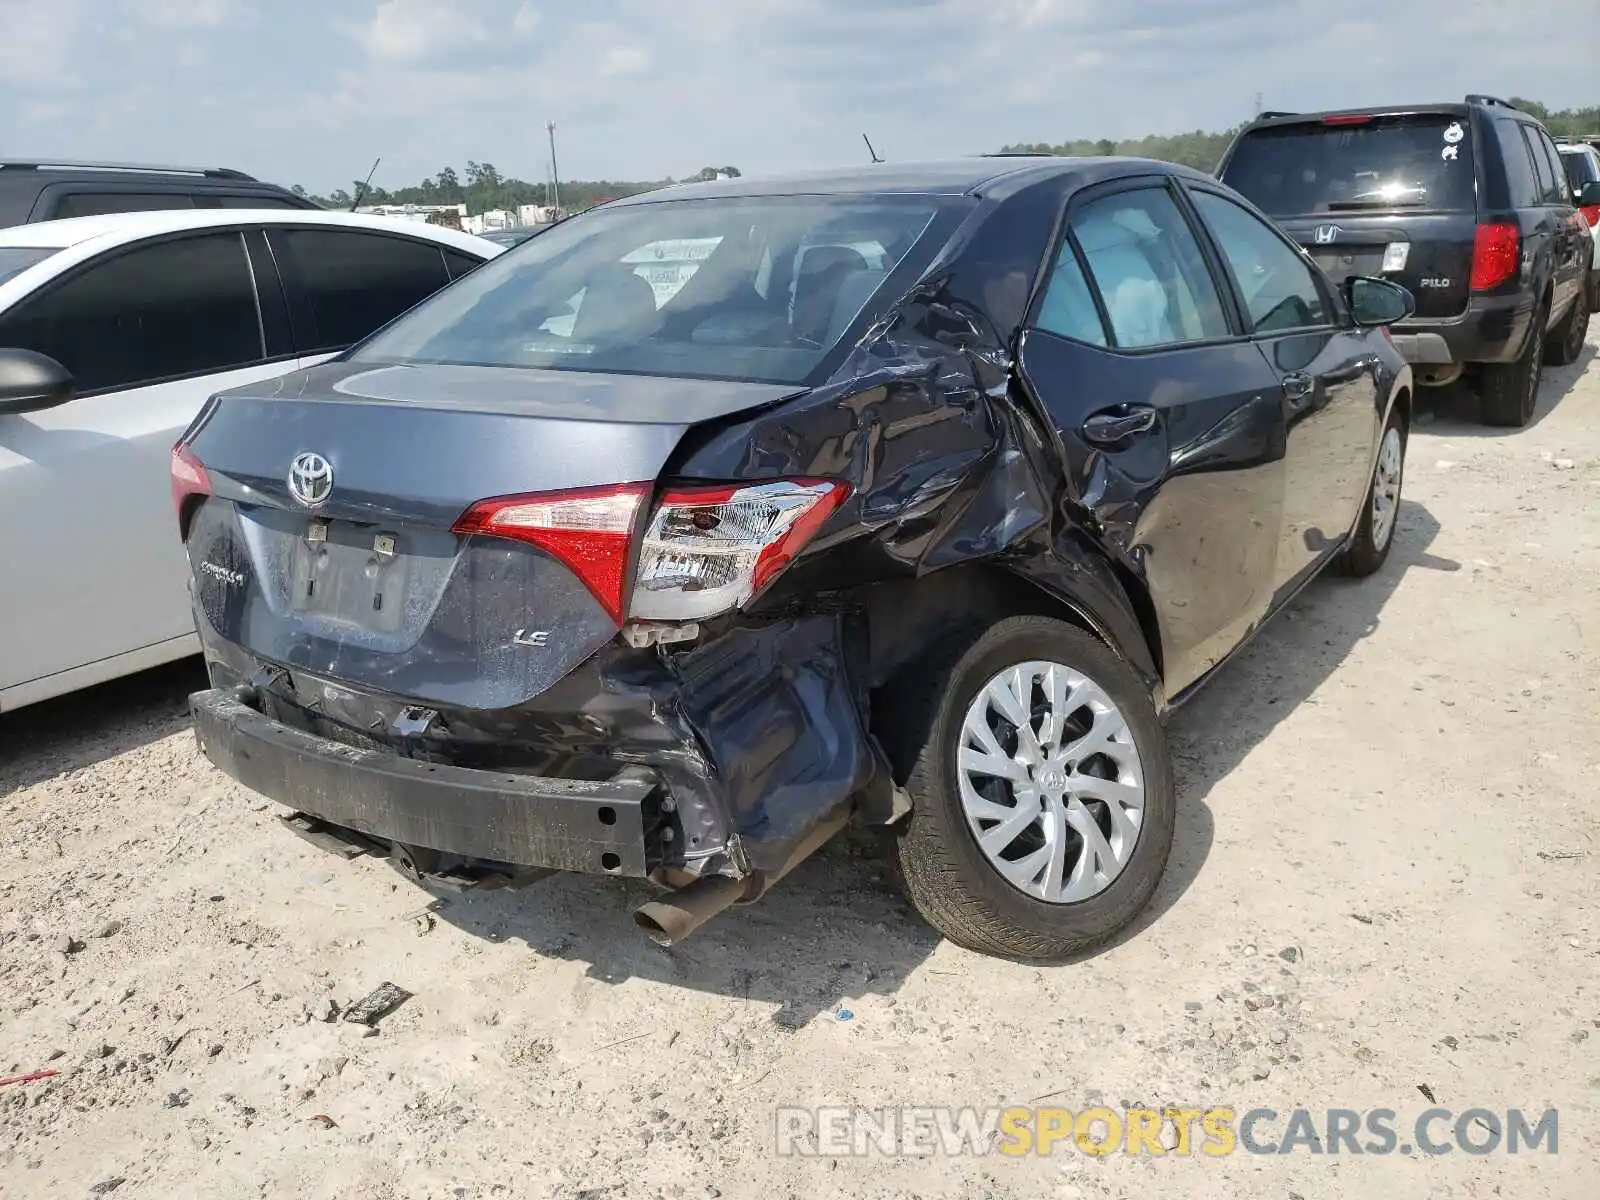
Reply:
x=555, y=173
x=1258, y=103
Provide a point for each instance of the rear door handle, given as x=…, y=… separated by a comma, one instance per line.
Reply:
x=1119, y=424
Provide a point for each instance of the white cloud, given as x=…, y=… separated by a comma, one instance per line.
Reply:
x=184, y=14
x=408, y=31
x=624, y=60
x=36, y=49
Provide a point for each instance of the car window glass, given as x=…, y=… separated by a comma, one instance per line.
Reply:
x=1068, y=305
x=751, y=288
x=358, y=282
x=1522, y=184
x=1559, y=192
x=460, y=263
x=14, y=260
x=1373, y=164
x=96, y=204
x=1541, y=166
x=177, y=308
x=214, y=200
x=1149, y=269
x=1581, y=166
x=1279, y=287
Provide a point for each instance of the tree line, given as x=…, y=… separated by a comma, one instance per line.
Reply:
x=482, y=188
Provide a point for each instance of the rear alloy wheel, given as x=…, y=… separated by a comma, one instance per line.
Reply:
x=1566, y=339
x=1510, y=390
x=1374, y=535
x=1042, y=797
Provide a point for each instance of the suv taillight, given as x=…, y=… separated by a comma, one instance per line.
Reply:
x=1591, y=214
x=189, y=479
x=1494, y=255
x=707, y=550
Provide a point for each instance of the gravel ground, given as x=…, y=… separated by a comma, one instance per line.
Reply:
x=1385, y=882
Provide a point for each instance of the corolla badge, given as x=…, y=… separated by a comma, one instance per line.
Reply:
x=311, y=479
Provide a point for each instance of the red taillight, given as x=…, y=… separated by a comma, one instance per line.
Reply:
x=1494, y=255
x=1591, y=214
x=1351, y=119
x=189, y=479
x=590, y=530
x=706, y=551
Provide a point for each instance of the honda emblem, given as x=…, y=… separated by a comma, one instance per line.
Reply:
x=1326, y=234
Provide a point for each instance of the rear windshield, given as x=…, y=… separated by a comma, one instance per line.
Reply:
x=1580, y=167
x=739, y=288
x=14, y=260
x=1383, y=163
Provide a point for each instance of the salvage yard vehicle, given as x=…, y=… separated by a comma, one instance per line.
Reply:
x=45, y=189
x=114, y=331
x=1582, y=163
x=672, y=590
x=1466, y=204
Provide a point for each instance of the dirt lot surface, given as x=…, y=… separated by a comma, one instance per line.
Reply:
x=1385, y=881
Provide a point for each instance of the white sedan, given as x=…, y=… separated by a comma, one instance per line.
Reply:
x=114, y=331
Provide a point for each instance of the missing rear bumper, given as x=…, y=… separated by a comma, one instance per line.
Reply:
x=560, y=824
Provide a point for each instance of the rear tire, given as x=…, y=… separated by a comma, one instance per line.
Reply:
x=1380, y=514
x=1566, y=339
x=1096, y=883
x=1510, y=391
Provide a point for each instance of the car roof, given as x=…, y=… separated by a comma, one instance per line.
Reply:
x=112, y=228
x=943, y=177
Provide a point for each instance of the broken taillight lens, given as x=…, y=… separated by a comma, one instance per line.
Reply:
x=189, y=479
x=590, y=530
x=708, y=550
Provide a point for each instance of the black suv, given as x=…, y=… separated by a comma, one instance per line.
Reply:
x=48, y=190
x=1465, y=204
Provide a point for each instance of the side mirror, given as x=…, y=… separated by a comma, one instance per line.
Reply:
x=30, y=382
x=1589, y=195
x=1377, y=301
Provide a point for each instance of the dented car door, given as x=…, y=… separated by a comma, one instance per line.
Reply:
x=1171, y=428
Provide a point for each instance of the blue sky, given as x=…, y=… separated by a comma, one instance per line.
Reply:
x=311, y=91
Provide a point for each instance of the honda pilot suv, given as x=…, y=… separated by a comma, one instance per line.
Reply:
x=1465, y=204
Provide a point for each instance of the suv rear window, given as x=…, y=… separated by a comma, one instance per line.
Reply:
x=752, y=289
x=1378, y=164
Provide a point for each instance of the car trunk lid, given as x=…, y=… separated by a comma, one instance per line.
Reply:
x=1430, y=254
x=328, y=541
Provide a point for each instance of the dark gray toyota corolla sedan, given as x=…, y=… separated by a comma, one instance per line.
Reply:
x=704, y=523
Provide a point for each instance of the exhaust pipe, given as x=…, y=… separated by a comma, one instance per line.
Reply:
x=667, y=921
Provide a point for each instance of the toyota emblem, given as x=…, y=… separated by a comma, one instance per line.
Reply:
x=311, y=479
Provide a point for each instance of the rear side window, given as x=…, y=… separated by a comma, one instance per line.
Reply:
x=1149, y=270
x=1068, y=306
x=178, y=308
x=356, y=283
x=460, y=263
x=1522, y=184
x=1549, y=188
x=1559, y=193
x=1377, y=164
x=214, y=200
x=1280, y=291
x=98, y=204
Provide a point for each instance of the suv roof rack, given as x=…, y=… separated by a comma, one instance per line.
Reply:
x=1492, y=101
x=67, y=164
